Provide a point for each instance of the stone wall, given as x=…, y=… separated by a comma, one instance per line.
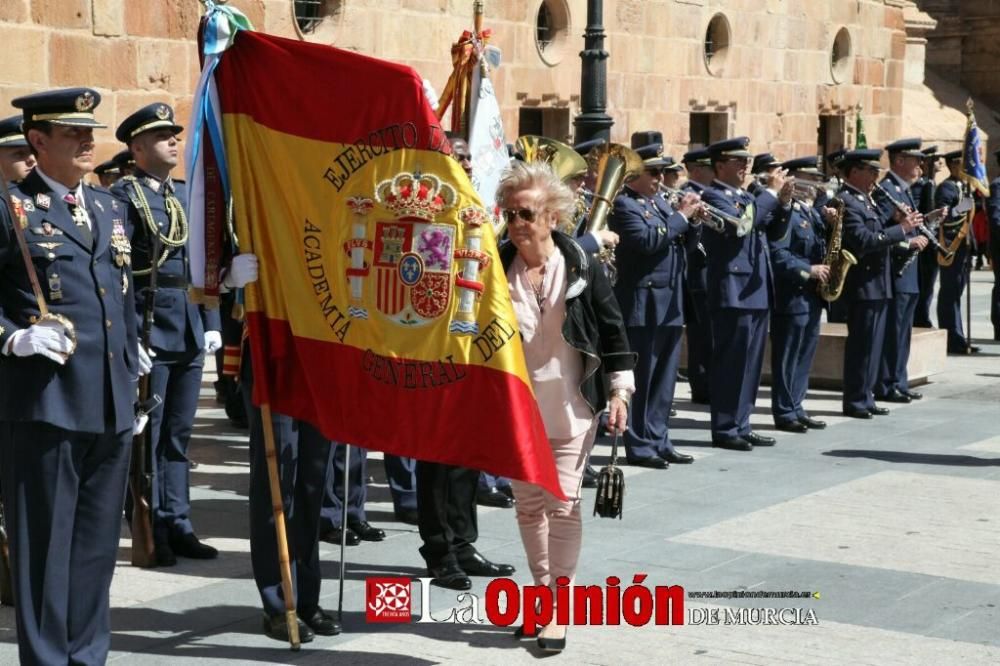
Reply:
x=775, y=81
x=966, y=44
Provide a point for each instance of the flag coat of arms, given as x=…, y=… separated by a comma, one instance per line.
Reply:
x=382, y=314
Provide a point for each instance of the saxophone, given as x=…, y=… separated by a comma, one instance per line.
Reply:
x=837, y=258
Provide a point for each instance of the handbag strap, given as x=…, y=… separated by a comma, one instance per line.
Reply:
x=614, y=449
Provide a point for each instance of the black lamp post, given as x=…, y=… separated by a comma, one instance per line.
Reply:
x=593, y=121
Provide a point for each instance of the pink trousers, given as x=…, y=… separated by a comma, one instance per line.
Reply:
x=552, y=529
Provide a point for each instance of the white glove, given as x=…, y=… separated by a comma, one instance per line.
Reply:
x=47, y=338
x=213, y=342
x=145, y=360
x=242, y=271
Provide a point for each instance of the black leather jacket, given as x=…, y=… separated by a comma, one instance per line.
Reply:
x=593, y=324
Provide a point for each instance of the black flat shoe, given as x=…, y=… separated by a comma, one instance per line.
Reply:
x=507, y=490
x=408, y=516
x=677, y=457
x=493, y=497
x=477, y=565
x=733, y=444
x=792, y=426
x=652, y=462
x=551, y=643
x=365, y=531
x=878, y=411
x=589, y=477
x=858, y=414
x=893, y=396
x=812, y=423
x=673, y=412
x=333, y=536
x=913, y=395
x=275, y=627
x=321, y=622
x=759, y=440
x=449, y=576
x=188, y=545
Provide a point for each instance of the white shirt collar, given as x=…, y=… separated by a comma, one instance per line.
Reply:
x=61, y=190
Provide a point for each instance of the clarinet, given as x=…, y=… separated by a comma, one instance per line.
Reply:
x=921, y=228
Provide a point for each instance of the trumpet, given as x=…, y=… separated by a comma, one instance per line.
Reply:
x=804, y=189
x=709, y=215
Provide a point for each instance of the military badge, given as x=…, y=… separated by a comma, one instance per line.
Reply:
x=48, y=246
x=55, y=287
x=85, y=102
x=162, y=112
x=28, y=206
x=46, y=230
x=121, y=245
x=43, y=201
x=100, y=206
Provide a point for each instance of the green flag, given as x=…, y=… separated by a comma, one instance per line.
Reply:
x=860, y=140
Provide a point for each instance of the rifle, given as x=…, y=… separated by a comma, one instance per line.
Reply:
x=141, y=472
x=6, y=588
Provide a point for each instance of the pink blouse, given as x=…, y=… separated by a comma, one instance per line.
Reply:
x=555, y=368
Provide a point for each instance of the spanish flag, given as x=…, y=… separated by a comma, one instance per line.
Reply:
x=382, y=313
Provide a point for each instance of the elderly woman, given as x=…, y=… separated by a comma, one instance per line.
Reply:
x=577, y=355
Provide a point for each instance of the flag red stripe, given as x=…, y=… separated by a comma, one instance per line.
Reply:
x=260, y=68
x=494, y=432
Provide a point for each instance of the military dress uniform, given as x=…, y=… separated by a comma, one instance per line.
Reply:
x=993, y=215
x=924, y=194
x=66, y=428
x=954, y=277
x=867, y=290
x=893, y=384
x=652, y=262
x=795, y=318
x=177, y=336
x=740, y=285
x=698, y=327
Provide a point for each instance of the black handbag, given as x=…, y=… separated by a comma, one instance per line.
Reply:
x=610, y=487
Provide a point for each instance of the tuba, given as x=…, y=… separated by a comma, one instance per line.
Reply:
x=837, y=258
x=615, y=164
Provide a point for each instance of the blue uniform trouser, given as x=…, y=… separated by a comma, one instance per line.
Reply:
x=862, y=353
x=659, y=355
x=739, y=337
x=63, y=494
x=448, y=522
x=794, y=338
x=896, y=348
x=488, y=481
x=402, y=476
x=357, y=476
x=303, y=456
x=954, y=280
x=176, y=378
x=699, y=343
x=928, y=272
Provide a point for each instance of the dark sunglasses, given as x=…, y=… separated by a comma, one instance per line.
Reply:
x=525, y=214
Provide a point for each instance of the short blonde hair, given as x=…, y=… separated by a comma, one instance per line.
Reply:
x=555, y=195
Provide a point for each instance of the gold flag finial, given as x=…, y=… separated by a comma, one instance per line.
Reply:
x=970, y=105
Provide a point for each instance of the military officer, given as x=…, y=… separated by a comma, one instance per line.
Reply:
x=763, y=165
x=993, y=214
x=798, y=259
x=182, y=333
x=16, y=158
x=67, y=385
x=672, y=172
x=923, y=192
x=108, y=173
x=652, y=262
x=739, y=288
x=868, y=288
x=125, y=162
x=697, y=326
x=954, y=276
x=905, y=159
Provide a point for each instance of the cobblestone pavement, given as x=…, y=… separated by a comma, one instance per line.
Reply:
x=893, y=523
